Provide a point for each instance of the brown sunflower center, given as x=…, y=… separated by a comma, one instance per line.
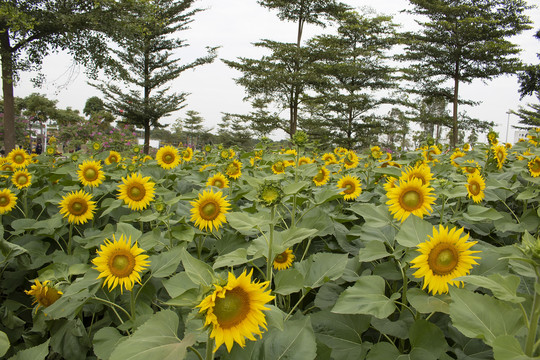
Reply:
x=4, y=200
x=470, y=169
x=78, y=207
x=443, y=259
x=232, y=309
x=218, y=183
x=121, y=263
x=22, y=179
x=278, y=167
x=281, y=258
x=18, y=159
x=500, y=155
x=535, y=166
x=209, y=210
x=168, y=158
x=348, y=188
x=319, y=176
x=90, y=174
x=411, y=200
x=48, y=296
x=136, y=192
x=474, y=188
x=270, y=195
x=113, y=159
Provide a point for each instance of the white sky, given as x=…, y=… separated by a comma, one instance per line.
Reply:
x=235, y=25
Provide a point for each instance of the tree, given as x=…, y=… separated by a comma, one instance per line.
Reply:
x=529, y=79
x=464, y=40
x=193, y=127
x=31, y=29
x=282, y=77
x=145, y=63
x=93, y=105
x=529, y=116
x=353, y=72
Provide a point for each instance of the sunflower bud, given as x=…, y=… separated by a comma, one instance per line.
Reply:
x=300, y=138
x=270, y=193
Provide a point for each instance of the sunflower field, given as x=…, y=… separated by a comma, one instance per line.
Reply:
x=272, y=254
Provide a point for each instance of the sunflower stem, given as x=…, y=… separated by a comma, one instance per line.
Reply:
x=209, y=345
x=69, y=252
x=533, y=324
x=113, y=306
x=270, y=259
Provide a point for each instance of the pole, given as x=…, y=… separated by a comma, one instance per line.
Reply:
x=507, y=124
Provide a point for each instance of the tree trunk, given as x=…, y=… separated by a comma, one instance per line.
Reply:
x=7, y=89
x=146, y=148
x=454, y=139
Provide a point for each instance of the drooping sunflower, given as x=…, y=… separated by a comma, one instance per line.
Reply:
x=209, y=210
x=455, y=155
x=136, y=191
x=234, y=169
x=475, y=187
x=420, y=171
x=218, y=180
x=205, y=167
x=278, y=167
x=329, y=158
x=120, y=263
x=534, y=167
x=44, y=295
x=284, y=260
x=351, y=187
x=470, y=166
x=7, y=201
x=500, y=153
x=78, y=207
x=21, y=179
x=429, y=153
x=410, y=197
x=167, y=157
x=444, y=257
x=187, y=154
x=351, y=160
x=322, y=176
x=304, y=160
x=113, y=158
x=90, y=173
x=19, y=158
x=235, y=310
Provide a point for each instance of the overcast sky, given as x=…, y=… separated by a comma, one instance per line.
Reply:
x=235, y=25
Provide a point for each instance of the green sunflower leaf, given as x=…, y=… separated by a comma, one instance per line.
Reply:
x=4, y=343
x=38, y=352
x=296, y=341
x=503, y=287
x=414, y=231
x=321, y=268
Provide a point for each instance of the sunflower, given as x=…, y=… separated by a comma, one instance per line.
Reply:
x=187, y=154
x=430, y=152
x=340, y=151
x=351, y=160
x=466, y=147
x=444, y=257
x=136, y=149
x=534, y=166
x=375, y=152
x=351, y=187
x=167, y=157
x=270, y=193
x=390, y=183
x=455, y=155
x=475, y=187
x=209, y=210
x=224, y=154
x=120, y=263
x=96, y=146
x=51, y=150
x=90, y=173
x=470, y=167
x=500, y=153
x=235, y=310
x=136, y=191
x=410, y=197
x=420, y=171
x=206, y=166
x=218, y=180
x=207, y=148
x=7, y=201
x=234, y=169
x=146, y=158
x=329, y=159
x=284, y=260
x=78, y=207
x=21, y=179
x=304, y=160
x=114, y=157
x=278, y=167
x=19, y=158
x=44, y=295
x=322, y=176
x=7, y=167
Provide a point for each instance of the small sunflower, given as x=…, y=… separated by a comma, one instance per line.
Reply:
x=167, y=157
x=235, y=310
x=207, y=148
x=455, y=155
x=187, y=154
x=351, y=187
x=500, y=153
x=340, y=151
x=19, y=158
x=410, y=197
x=209, y=210
x=21, y=179
x=284, y=260
x=475, y=187
x=44, y=295
x=78, y=207
x=534, y=166
x=7, y=201
x=90, y=173
x=232, y=153
x=444, y=257
x=375, y=152
x=420, y=171
x=430, y=152
x=322, y=176
x=113, y=158
x=224, y=154
x=470, y=167
x=218, y=180
x=466, y=147
x=120, y=263
x=136, y=191
x=270, y=193
x=278, y=167
x=51, y=150
x=96, y=146
x=234, y=169
x=329, y=158
x=351, y=160
x=304, y=160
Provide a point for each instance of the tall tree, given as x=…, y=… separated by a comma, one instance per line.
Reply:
x=464, y=40
x=146, y=64
x=193, y=127
x=529, y=79
x=31, y=29
x=354, y=75
x=283, y=76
